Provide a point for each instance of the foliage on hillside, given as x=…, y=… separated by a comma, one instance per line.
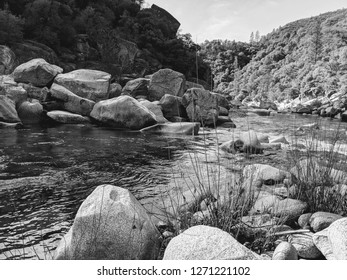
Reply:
x=307, y=57
x=57, y=22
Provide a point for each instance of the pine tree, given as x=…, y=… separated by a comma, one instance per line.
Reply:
x=316, y=43
x=251, y=39
x=257, y=36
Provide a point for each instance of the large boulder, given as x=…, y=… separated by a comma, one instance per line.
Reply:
x=201, y=106
x=37, y=72
x=71, y=102
x=110, y=225
x=8, y=111
x=183, y=128
x=337, y=234
x=172, y=107
x=155, y=109
x=166, y=81
x=123, y=112
x=136, y=87
x=30, y=112
x=7, y=60
x=207, y=243
x=89, y=84
x=67, y=118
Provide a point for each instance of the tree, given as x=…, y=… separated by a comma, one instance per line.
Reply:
x=251, y=39
x=10, y=27
x=316, y=42
x=257, y=37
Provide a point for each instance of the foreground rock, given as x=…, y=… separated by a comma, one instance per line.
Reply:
x=207, y=243
x=166, y=81
x=201, y=106
x=71, y=102
x=86, y=83
x=285, y=251
x=110, y=224
x=304, y=245
x=67, y=118
x=37, y=72
x=321, y=220
x=8, y=113
x=123, y=112
x=183, y=128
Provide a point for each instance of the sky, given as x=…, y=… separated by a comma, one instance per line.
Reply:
x=237, y=19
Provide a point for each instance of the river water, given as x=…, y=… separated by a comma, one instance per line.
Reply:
x=47, y=172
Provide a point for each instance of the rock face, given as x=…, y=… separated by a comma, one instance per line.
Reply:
x=183, y=128
x=71, y=102
x=172, y=107
x=111, y=224
x=166, y=81
x=201, y=106
x=30, y=112
x=207, y=243
x=285, y=251
x=37, y=71
x=155, y=109
x=89, y=84
x=66, y=117
x=136, y=87
x=123, y=112
x=8, y=111
x=7, y=60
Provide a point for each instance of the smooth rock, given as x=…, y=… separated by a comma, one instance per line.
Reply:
x=86, y=83
x=304, y=245
x=30, y=112
x=289, y=209
x=71, y=102
x=166, y=81
x=321, y=220
x=337, y=235
x=37, y=71
x=184, y=128
x=111, y=225
x=285, y=251
x=66, y=117
x=123, y=112
x=207, y=243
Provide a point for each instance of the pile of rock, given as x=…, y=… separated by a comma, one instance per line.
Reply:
x=38, y=91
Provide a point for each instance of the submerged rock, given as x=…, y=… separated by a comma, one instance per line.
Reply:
x=207, y=243
x=110, y=225
x=184, y=128
x=66, y=117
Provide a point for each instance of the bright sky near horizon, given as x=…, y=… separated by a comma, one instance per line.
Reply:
x=236, y=19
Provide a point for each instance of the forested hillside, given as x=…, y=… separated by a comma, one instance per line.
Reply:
x=119, y=34
x=307, y=57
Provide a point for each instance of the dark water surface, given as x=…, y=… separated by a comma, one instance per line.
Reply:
x=47, y=172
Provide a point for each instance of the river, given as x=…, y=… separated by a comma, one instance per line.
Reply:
x=46, y=172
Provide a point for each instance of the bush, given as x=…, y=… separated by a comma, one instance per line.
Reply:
x=10, y=28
